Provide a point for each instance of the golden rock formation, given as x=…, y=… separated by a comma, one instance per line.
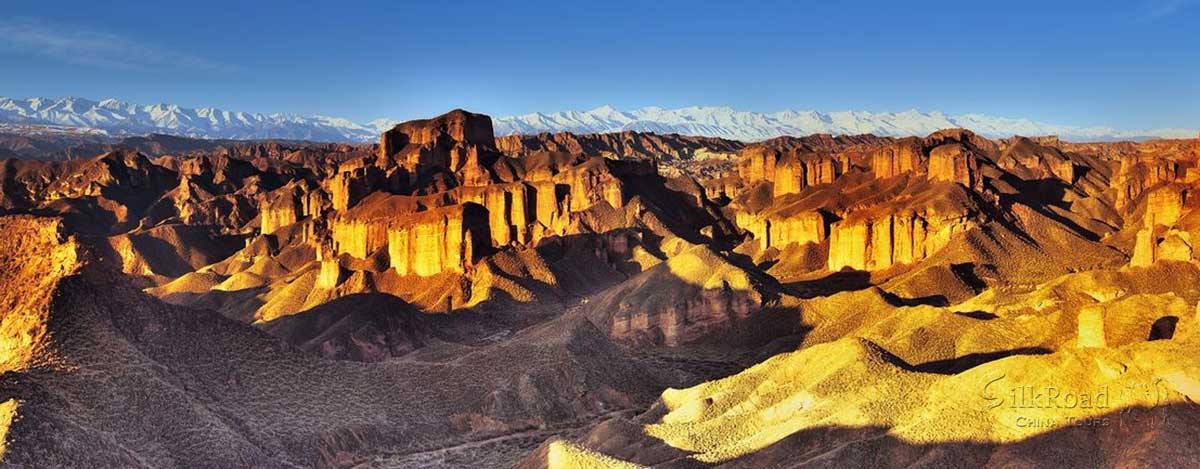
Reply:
x=806, y=228
x=590, y=183
x=758, y=163
x=457, y=142
x=35, y=254
x=1144, y=248
x=954, y=163
x=795, y=172
x=350, y=183
x=880, y=242
x=508, y=208
x=357, y=237
x=550, y=206
x=1150, y=246
x=1091, y=327
x=1164, y=206
x=436, y=241
x=288, y=205
x=329, y=274
x=894, y=160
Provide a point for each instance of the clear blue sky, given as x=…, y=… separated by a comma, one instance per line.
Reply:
x=1130, y=64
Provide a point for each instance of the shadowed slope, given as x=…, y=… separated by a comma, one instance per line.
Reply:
x=208, y=391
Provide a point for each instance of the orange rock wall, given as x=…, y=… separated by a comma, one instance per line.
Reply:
x=894, y=160
x=881, y=242
x=952, y=162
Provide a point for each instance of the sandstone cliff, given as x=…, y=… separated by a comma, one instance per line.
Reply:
x=676, y=155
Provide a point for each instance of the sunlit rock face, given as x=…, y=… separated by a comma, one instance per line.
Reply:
x=1153, y=244
x=425, y=242
x=456, y=142
x=1032, y=160
x=509, y=210
x=1091, y=327
x=758, y=163
x=449, y=165
x=1164, y=206
x=1138, y=173
x=436, y=241
x=591, y=183
x=351, y=183
x=805, y=228
x=868, y=198
x=953, y=162
x=795, y=172
x=1144, y=248
x=1163, y=234
x=880, y=242
x=791, y=170
x=550, y=210
x=329, y=273
x=893, y=160
x=489, y=216
x=358, y=237
x=290, y=204
x=781, y=231
x=35, y=253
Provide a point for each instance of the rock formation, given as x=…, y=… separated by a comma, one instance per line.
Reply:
x=1157, y=238
x=694, y=296
x=893, y=160
x=953, y=162
x=676, y=155
x=436, y=241
x=498, y=293
x=457, y=142
x=1091, y=327
x=877, y=243
x=290, y=204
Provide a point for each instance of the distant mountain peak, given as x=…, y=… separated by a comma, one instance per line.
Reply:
x=727, y=122
x=115, y=117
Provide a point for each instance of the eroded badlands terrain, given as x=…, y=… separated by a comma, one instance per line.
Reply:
x=447, y=298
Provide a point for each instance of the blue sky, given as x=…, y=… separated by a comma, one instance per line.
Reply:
x=1130, y=64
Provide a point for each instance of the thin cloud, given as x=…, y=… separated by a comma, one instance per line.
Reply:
x=1155, y=9
x=82, y=46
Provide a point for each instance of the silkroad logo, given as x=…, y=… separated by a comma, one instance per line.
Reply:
x=1044, y=397
x=1050, y=406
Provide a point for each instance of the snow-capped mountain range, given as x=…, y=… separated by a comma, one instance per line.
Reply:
x=752, y=126
x=120, y=118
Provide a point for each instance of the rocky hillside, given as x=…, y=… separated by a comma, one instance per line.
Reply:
x=675, y=154
x=449, y=298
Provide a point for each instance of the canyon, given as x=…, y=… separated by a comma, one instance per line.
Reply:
x=448, y=298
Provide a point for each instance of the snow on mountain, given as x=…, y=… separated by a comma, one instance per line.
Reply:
x=382, y=124
x=752, y=126
x=121, y=118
